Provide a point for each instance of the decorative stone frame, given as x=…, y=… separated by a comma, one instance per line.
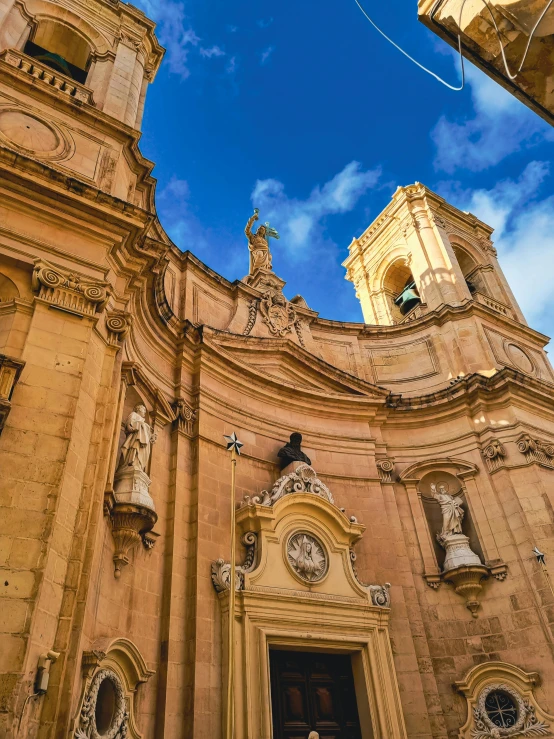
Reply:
x=467, y=581
x=277, y=610
x=120, y=662
x=483, y=679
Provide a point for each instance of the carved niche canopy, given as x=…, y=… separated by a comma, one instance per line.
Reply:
x=10, y=371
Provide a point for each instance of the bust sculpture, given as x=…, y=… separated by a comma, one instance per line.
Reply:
x=139, y=437
x=292, y=451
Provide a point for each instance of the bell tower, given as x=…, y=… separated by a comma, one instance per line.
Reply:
x=59, y=60
x=424, y=266
x=422, y=254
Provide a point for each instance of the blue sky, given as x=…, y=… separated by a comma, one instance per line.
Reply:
x=302, y=110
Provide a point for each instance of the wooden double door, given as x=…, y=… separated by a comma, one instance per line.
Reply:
x=313, y=692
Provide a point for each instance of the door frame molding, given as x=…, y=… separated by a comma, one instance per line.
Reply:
x=269, y=620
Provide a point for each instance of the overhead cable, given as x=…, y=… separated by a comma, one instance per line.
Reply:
x=436, y=76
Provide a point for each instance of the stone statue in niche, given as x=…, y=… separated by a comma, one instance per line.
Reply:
x=131, y=481
x=258, y=244
x=139, y=437
x=292, y=451
x=451, y=537
x=451, y=509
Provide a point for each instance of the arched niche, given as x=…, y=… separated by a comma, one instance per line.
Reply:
x=453, y=486
x=458, y=477
x=8, y=289
x=418, y=478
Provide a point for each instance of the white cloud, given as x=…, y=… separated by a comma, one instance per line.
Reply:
x=265, y=23
x=213, y=51
x=176, y=34
x=524, y=237
x=301, y=222
x=231, y=67
x=266, y=53
x=501, y=126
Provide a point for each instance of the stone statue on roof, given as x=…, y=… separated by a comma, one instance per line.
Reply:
x=258, y=244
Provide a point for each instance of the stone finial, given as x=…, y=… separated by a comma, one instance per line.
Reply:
x=292, y=451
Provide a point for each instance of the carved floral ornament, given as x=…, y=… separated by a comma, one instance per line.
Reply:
x=501, y=703
x=88, y=723
x=302, y=539
x=303, y=480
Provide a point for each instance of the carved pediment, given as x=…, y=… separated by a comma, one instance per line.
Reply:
x=285, y=362
x=300, y=542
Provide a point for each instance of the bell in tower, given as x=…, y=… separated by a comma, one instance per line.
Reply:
x=408, y=298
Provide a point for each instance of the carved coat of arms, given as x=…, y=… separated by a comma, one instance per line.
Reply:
x=277, y=313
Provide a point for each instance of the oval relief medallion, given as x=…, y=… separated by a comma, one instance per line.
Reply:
x=307, y=557
x=520, y=359
x=31, y=135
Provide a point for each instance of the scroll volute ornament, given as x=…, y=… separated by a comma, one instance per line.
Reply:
x=118, y=325
x=69, y=291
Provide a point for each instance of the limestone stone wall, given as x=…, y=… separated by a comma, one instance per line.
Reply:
x=100, y=312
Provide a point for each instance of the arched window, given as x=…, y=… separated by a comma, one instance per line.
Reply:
x=501, y=702
x=400, y=290
x=468, y=265
x=61, y=48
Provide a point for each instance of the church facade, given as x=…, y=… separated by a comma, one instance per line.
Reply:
x=394, y=491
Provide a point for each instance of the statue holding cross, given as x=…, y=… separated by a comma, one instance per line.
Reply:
x=258, y=244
